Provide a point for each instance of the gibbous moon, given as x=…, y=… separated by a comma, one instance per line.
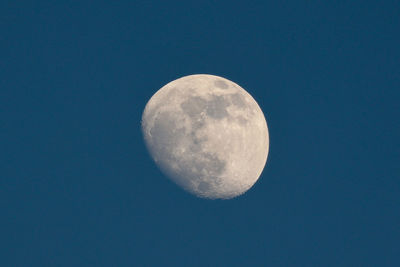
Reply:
x=207, y=134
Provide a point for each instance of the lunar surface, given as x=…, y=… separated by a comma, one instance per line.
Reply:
x=207, y=134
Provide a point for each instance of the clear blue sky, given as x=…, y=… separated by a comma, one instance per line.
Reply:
x=77, y=187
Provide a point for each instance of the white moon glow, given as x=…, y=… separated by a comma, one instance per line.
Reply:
x=207, y=134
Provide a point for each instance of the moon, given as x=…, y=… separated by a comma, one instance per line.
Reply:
x=207, y=134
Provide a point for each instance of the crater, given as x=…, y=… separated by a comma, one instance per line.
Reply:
x=165, y=135
x=196, y=142
x=213, y=165
x=197, y=124
x=200, y=167
x=193, y=106
x=205, y=164
x=216, y=107
x=241, y=120
x=238, y=100
x=221, y=84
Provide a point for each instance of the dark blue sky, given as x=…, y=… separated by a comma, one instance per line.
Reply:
x=77, y=187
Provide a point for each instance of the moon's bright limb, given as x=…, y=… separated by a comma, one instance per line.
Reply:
x=207, y=134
